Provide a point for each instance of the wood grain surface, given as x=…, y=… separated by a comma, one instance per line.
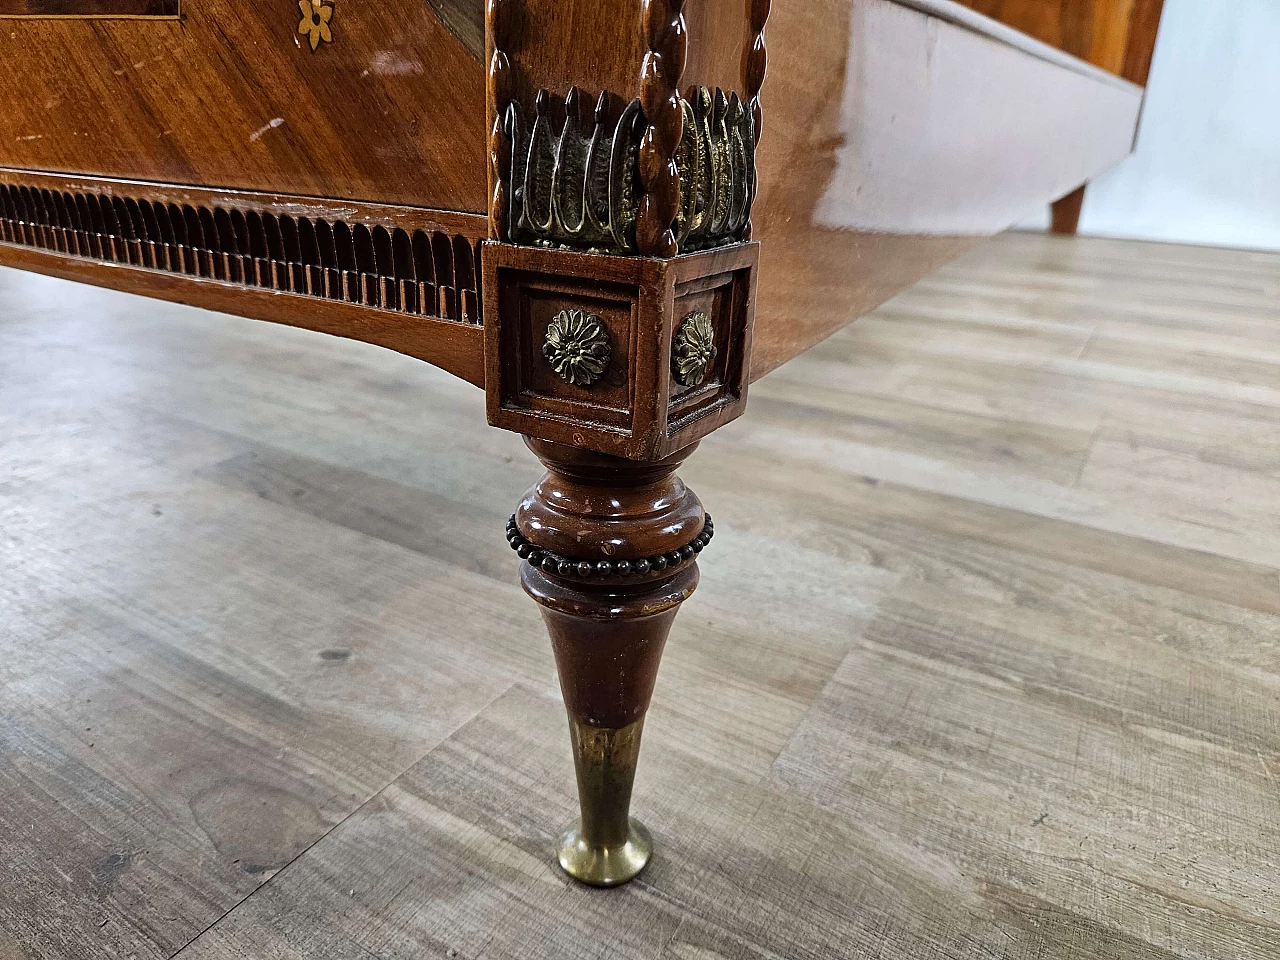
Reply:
x=985, y=661
x=390, y=110
x=1117, y=35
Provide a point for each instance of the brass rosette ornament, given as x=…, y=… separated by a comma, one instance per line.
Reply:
x=577, y=347
x=693, y=350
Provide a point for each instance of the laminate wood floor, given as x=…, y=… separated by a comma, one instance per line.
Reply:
x=985, y=661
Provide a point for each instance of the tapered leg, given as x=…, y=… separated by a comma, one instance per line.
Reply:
x=609, y=548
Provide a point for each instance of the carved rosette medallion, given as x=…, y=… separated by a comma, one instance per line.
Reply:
x=693, y=350
x=577, y=347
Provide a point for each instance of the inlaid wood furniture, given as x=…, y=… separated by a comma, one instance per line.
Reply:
x=598, y=211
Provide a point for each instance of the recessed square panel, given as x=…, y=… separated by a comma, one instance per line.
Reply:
x=540, y=307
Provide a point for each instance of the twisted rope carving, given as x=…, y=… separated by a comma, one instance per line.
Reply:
x=660, y=74
x=757, y=61
x=497, y=81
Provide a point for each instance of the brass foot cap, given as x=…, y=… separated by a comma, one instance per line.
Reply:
x=602, y=866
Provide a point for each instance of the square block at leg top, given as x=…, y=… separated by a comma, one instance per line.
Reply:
x=635, y=408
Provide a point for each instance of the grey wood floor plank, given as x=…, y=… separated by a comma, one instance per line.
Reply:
x=985, y=661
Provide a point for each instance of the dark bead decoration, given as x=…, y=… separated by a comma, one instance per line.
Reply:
x=566, y=566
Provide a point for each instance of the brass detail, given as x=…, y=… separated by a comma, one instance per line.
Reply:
x=577, y=184
x=315, y=21
x=693, y=350
x=577, y=347
x=605, y=847
x=717, y=164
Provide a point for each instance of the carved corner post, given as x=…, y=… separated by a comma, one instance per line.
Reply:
x=619, y=290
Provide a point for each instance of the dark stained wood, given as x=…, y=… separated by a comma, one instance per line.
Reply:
x=89, y=8
x=610, y=550
x=608, y=555
x=401, y=259
x=465, y=19
x=364, y=118
x=1066, y=212
x=636, y=408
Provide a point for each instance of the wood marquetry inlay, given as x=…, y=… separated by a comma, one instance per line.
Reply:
x=314, y=25
x=425, y=273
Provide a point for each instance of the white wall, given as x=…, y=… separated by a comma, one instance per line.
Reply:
x=1207, y=167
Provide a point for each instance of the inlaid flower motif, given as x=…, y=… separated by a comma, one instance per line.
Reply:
x=577, y=347
x=694, y=350
x=315, y=21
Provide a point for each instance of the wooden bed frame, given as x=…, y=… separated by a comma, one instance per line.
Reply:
x=598, y=211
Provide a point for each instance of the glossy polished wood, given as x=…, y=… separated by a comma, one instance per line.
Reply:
x=1117, y=35
x=89, y=8
x=864, y=185
x=870, y=173
x=610, y=551
x=232, y=96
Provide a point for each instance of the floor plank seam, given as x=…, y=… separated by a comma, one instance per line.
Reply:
x=352, y=813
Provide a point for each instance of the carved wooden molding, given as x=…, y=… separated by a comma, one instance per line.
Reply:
x=660, y=74
x=754, y=67
x=415, y=271
x=497, y=83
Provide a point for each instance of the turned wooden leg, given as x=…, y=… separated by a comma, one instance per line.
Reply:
x=609, y=548
x=1066, y=212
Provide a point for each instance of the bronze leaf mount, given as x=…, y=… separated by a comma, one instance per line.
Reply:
x=575, y=180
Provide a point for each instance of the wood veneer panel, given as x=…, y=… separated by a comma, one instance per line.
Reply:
x=894, y=141
x=1116, y=35
x=89, y=8
x=391, y=110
